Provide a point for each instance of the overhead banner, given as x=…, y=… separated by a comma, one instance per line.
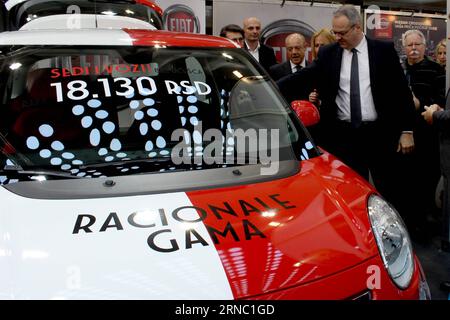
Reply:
x=391, y=25
x=277, y=20
x=183, y=15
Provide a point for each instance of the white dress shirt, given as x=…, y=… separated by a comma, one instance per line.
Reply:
x=294, y=66
x=254, y=53
x=368, y=111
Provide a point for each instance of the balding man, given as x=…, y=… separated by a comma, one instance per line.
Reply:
x=262, y=53
x=296, y=46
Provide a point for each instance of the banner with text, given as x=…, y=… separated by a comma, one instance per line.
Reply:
x=391, y=25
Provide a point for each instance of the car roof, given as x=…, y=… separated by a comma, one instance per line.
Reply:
x=12, y=3
x=109, y=37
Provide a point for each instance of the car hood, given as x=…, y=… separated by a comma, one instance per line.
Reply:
x=210, y=244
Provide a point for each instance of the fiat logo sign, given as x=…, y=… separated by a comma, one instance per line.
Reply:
x=276, y=32
x=181, y=18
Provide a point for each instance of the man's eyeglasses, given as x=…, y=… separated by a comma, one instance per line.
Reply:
x=341, y=33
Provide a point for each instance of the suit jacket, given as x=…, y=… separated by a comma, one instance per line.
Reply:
x=280, y=70
x=266, y=56
x=441, y=119
x=391, y=94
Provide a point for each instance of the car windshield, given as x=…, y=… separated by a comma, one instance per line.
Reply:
x=27, y=11
x=108, y=111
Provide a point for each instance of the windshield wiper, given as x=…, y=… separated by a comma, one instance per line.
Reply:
x=38, y=172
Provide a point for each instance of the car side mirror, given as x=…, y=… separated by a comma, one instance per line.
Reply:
x=306, y=111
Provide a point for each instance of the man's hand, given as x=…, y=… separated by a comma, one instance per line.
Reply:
x=406, y=143
x=314, y=97
x=428, y=113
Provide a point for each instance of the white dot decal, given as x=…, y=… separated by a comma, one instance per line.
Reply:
x=45, y=153
x=160, y=142
x=94, y=103
x=181, y=108
x=68, y=155
x=197, y=137
x=156, y=124
x=121, y=155
x=32, y=143
x=56, y=161
x=94, y=137
x=164, y=152
x=152, y=154
x=134, y=104
x=109, y=159
x=101, y=114
x=108, y=127
x=143, y=129
x=193, y=121
x=149, y=102
x=66, y=166
x=139, y=115
x=102, y=152
x=77, y=162
x=78, y=110
x=148, y=146
x=86, y=122
x=192, y=99
x=46, y=130
x=180, y=99
x=115, y=145
x=152, y=112
x=57, y=145
x=192, y=109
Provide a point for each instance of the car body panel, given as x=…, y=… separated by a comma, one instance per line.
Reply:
x=86, y=21
x=286, y=232
x=126, y=37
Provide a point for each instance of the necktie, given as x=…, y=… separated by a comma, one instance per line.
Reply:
x=298, y=68
x=355, y=99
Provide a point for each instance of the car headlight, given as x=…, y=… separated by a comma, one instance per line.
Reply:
x=393, y=241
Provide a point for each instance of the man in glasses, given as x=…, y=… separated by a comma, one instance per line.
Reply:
x=234, y=33
x=426, y=79
x=367, y=110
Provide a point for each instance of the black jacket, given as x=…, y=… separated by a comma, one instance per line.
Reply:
x=441, y=120
x=266, y=56
x=391, y=94
x=427, y=81
x=280, y=70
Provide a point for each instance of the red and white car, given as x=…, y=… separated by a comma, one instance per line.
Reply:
x=142, y=164
x=81, y=14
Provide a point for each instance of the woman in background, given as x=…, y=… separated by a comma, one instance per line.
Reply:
x=319, y=39
x=441, y=53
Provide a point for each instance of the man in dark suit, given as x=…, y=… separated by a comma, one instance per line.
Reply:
x=296, y=47
x=262, y=53
x=367, y=109
x=440, y=119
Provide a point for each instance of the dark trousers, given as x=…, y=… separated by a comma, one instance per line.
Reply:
x=364, y=149
x=446, y=214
